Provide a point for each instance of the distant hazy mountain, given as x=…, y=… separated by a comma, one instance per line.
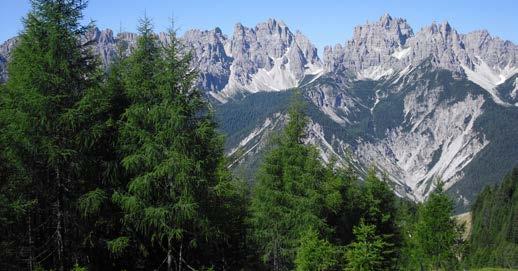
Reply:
x=420, y=106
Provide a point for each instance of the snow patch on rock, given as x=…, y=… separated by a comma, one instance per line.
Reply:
x=374, y=73
x=489, y=78
x=514, y=92
x=402, y=52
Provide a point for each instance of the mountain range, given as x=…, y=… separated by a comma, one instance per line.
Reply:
x=435, y=104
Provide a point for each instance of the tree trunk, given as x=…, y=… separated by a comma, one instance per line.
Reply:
x=30, y=244
x=180, y=257
x=275, y=261
x=59, y=226
x=169, y=255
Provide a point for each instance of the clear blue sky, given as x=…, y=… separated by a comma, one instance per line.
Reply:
x=325, y=22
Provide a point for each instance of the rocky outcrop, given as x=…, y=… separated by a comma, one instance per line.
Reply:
x=5, y=51
x=268, y=57
x=210, y=58
x=388, y=46
x=372, y=45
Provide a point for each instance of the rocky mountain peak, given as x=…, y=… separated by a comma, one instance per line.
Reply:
x=275, y=25
x=443, y=29
x=387, y=32
x=239, y=30
x=386, y=19
x=267, y=57
x=5, y=52
x=373, y=44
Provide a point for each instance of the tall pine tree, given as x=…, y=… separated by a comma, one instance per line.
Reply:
x=101, y=112
x=436, y=232
x=49, y=73
x=381, y=212
x=294, y=192
x=171, y=152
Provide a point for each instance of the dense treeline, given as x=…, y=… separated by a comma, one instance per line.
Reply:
x=494, y=237
x=124, y=170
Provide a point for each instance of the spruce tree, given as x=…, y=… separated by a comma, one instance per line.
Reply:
x=171, y=153
x=15, y=204
x=366, y=252
x=380, y=211
x=101, y=110
x=436, y=232
x=315, y=253
x=494, y=233
x=49, y=73
x=294, y=191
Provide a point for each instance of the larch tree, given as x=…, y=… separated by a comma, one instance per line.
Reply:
x=366, y=252
x=171, y=152
x=380, y=210
x=50, y=71
x=293, y=192
x=436, y=232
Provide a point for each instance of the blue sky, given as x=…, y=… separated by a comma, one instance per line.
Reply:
x=325, y=22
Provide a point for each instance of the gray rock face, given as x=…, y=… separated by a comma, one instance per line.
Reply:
x=493, y=50
x=213, y=64
x=372, y=44
x=5, y=51
x=381, y=48
x=264, y=58
x=267, y=57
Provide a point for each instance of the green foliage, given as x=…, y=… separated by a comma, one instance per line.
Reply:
x=381, y=211
x=437, y=236
x=159, y=134
x=179, y=191
x=91, y=202
x=294, y=191
x=50, y=73
x=118, y=245
x=77, y=267
x=366, y=252
x=407, y=219
x=123, y=169
x=494, y=235
x=315, y=253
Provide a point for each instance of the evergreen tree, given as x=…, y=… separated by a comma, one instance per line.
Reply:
x=366, y=252
x=315, y=253
x=172, y=154
x=49, y=73
x=352, y=209
x=409, y=258
x=14, y=206
x=102, y=110
x=436, y=232
x=381, y=212
x=294, y=192
x=494, y=234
